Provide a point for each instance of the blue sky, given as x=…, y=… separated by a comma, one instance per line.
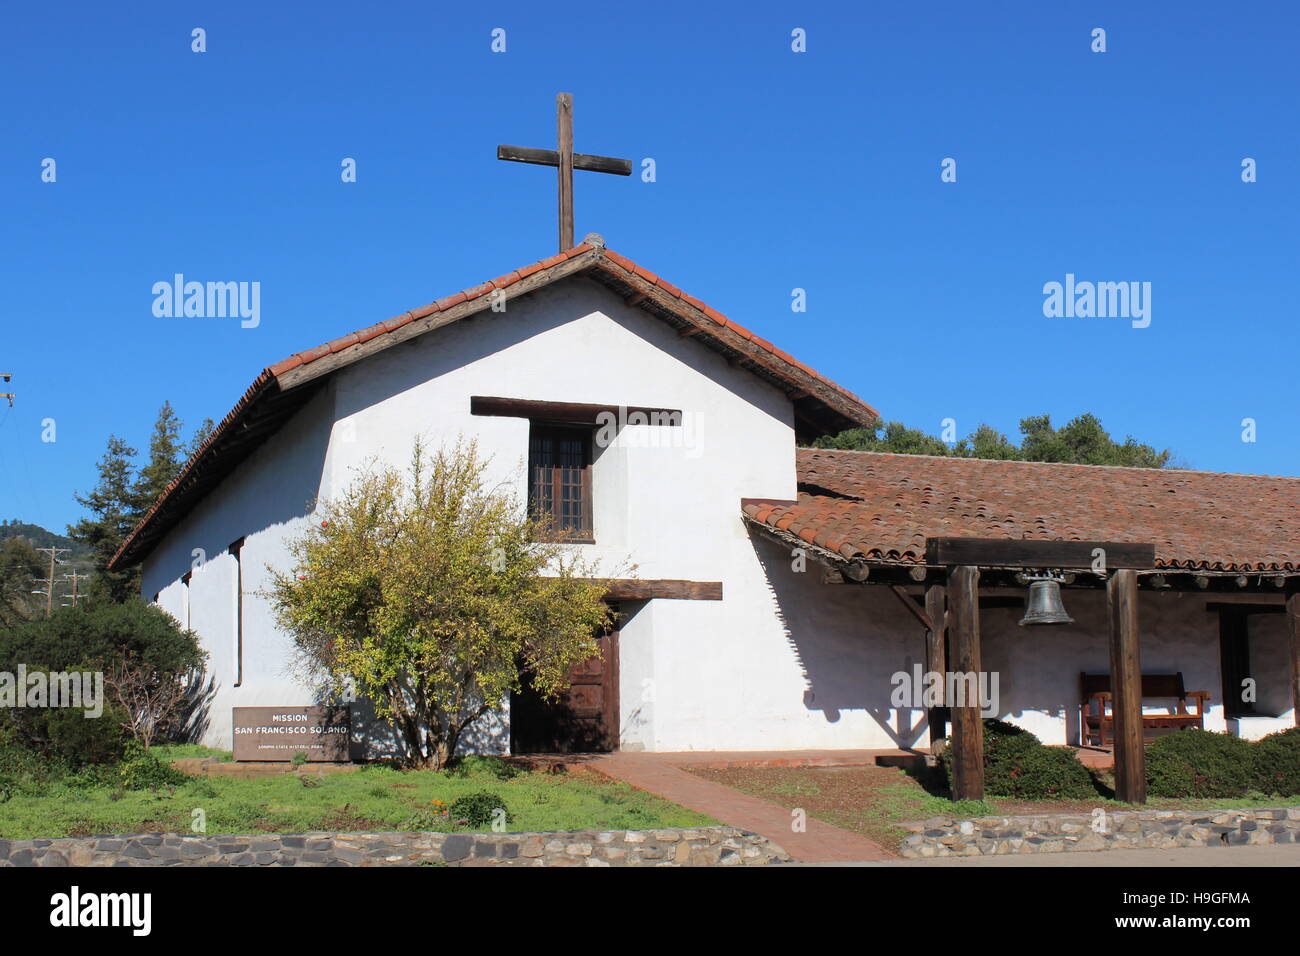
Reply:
x=775, y=170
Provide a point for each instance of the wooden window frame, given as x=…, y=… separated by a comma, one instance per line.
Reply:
x=536, y=429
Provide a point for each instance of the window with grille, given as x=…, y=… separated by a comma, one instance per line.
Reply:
x=559, y=479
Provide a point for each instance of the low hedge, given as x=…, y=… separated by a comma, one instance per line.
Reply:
x=1017, y=764
x=1198, y=763
x=1275, y=762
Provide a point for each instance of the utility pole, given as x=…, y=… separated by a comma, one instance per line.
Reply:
x=73, y=576
x=48, y=590
x=5, y=376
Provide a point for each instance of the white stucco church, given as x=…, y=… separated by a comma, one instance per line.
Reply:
x=780, y=589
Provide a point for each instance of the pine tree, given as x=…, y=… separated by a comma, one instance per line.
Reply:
x=200, y=436
x=166, y=455
x=113, y=509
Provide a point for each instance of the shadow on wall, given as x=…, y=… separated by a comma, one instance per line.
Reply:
x=197, y=711
x=849, y=641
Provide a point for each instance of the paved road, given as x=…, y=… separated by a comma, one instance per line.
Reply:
x=1228, y=856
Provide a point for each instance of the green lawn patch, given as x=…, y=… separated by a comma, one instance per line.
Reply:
x=190, y=751
x=371, y=798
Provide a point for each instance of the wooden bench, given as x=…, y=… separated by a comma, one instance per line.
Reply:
x=1097, y=722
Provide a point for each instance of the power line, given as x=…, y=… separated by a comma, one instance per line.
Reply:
x=48, y=590
x=73, y=576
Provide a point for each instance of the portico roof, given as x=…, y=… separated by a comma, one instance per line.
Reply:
x=874, y=506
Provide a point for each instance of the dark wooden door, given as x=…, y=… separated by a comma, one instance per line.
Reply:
x=583, y=720
x=1234, y=661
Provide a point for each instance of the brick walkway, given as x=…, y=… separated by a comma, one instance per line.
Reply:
x=661, y=774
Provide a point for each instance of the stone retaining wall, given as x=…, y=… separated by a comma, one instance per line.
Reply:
x=697, y=846
x=1103, y=830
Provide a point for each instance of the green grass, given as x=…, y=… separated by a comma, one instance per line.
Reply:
x=371, y=798
x=179, y=751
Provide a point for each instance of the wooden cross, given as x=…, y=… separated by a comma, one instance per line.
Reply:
x=566, y=161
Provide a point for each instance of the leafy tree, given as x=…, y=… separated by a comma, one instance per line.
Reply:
x=113, y=509
x=1081, y=441
x=433, y=597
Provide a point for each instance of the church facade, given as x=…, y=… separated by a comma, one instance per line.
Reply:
x=777, y=588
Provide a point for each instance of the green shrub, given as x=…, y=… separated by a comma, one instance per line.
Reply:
x=142, y=770
x=477, y=808
x=23, y=771
x=1198, y=763
x=83, y=740
x=136, y=647
x=1275, y=762
x=423, y=819
x=1018, y=765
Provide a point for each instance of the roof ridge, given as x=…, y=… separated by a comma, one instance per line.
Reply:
x=1060, y=464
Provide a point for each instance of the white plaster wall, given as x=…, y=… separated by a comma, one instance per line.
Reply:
x=267, y=499
x=666, y=499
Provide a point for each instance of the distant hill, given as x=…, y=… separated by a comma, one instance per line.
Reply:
x=41, y=538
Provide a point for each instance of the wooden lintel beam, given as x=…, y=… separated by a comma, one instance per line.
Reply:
x=577, y=413
x=1232, y=607
x=633, y=589
x=1033, y=553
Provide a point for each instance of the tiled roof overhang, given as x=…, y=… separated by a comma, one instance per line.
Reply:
x=874, y=507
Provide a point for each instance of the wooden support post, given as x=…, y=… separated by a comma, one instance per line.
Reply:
x=936, y=655
x=1293, y=634
x=967, y=724
x=1126, y=687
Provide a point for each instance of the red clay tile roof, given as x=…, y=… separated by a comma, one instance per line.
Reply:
x=882, y=507
x=821, y=406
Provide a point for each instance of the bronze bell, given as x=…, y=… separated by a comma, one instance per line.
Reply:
x=1045, y=605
